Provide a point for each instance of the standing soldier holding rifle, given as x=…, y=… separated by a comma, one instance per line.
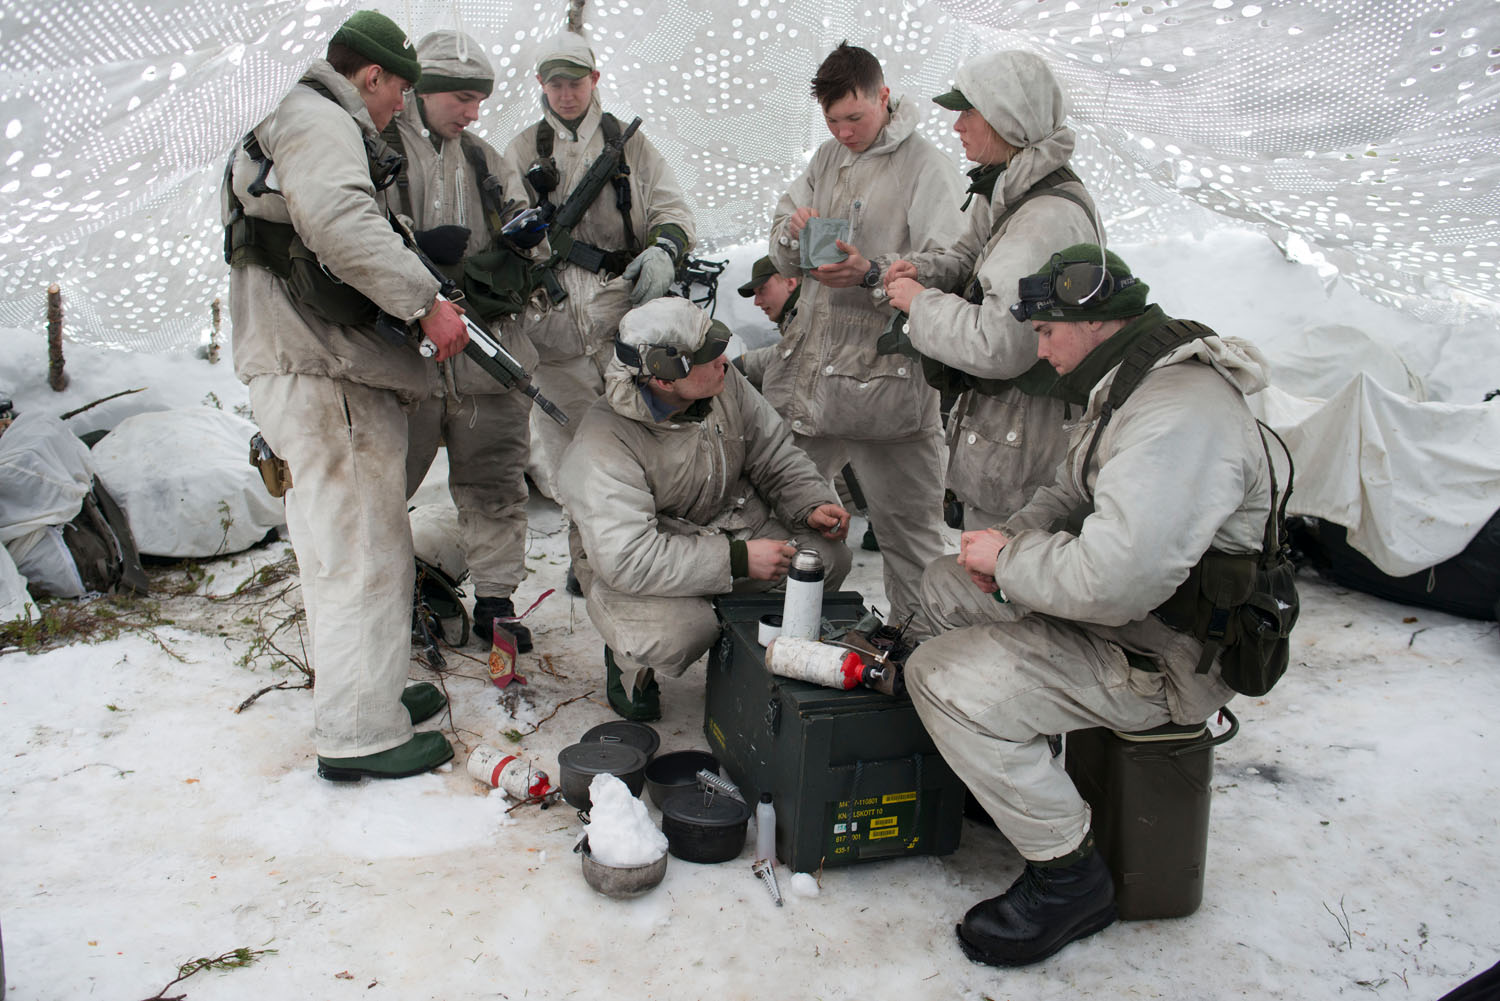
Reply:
x=451, y=191
x=612, y=242
x=305, y=198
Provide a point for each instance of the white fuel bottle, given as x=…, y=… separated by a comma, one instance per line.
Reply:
x=802, y=614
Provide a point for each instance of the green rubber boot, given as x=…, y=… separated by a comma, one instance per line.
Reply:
x=644, y=706
x=423, y=701
x=423, y=753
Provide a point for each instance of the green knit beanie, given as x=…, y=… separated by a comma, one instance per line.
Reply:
x=380, y=40
x=1129, y=300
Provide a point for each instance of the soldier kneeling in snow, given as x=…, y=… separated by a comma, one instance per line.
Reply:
x=684, y=483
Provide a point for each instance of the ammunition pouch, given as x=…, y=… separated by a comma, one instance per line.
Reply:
x=277, y=248
x=1242, y=609
x=496, y=282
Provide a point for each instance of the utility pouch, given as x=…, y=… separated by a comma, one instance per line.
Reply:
x=497, y=282
x=586, y=256
x=274, y=472
x=322, y=294
x=1263, y=624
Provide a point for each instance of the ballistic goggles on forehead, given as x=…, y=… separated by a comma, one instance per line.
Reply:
x=668, y=362
x=1070, y=284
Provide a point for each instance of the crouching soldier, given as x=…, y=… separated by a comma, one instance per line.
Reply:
x=684, y=483
x=1059, y=619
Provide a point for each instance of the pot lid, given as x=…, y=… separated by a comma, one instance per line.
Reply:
x=693, y=806
x=600, y=758
x=624, y=731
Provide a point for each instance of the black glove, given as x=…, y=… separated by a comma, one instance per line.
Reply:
x=444, y=244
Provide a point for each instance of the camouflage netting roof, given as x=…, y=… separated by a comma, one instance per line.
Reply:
x=1359, y=134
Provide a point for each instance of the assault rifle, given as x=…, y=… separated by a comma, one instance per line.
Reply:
x=483, y=347
x=560, y=225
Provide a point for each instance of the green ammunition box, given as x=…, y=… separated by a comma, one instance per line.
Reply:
x=853, y=774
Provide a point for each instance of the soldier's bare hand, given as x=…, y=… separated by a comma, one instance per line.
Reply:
x=444, y=327
x=769, y=559
x=830, y=521
x=901, y=292
x=900, y=269
x=847, y=273
x=977, y=553
x=798, y=222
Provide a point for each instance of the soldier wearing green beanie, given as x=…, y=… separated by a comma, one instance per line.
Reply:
x=1093, y=605
x=381, y=41
x=329, y=390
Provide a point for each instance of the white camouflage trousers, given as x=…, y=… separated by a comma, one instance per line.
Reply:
x=995, y=682
x=488, y=441
x=346, y=513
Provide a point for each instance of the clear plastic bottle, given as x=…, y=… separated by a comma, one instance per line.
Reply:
x=765, y=829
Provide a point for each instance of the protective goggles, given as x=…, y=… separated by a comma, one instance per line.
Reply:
x=668, y=362
x=1070, y=284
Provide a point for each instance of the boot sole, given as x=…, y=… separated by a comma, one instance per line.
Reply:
x=1097, y=923
x=334, y=773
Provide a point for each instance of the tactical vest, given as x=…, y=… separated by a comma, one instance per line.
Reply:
x=276, y=246
x=1040, y=378
x=592, y=258
x=1240, y=606
x=473, y=150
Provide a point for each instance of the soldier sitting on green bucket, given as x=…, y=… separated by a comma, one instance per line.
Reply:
x=1100, y=602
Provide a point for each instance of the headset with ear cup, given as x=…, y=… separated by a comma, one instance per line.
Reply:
x=1069, y=283
x=668, y=362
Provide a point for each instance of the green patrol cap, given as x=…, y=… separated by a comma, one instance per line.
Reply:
x=953, y=100
x=380, y=40
x=759, y=275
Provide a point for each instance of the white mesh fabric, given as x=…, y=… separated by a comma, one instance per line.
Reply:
x=1361, y=134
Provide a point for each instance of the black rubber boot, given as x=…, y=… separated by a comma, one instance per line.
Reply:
x=487, y=610
x=641, y=706
x=424, y=752
x=1045, y=909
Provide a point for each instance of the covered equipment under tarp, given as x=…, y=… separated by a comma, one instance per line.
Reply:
x=184, y=478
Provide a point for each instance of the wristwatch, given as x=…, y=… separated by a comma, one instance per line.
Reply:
x=872, y=277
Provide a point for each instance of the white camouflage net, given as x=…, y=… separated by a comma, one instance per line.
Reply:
x=1359, y=134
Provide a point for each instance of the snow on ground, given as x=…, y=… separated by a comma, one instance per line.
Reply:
x=146, y=824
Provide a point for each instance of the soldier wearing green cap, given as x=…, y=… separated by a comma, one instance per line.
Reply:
x=451, y=191
x=1058, y=619
x=328, y=389
x=627, y=245
x=776, y=295
x=1005, y=433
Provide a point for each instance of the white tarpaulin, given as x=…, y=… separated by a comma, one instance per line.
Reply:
x=44, y=473
x=1412, y=482
x=14, y=598
x=186, y=483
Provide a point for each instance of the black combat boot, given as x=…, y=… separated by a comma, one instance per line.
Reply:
x=487, y=610
x=1050, y=905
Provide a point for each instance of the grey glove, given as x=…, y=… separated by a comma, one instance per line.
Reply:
x=652, y=272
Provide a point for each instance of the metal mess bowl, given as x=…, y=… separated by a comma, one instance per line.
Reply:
x=621, y=882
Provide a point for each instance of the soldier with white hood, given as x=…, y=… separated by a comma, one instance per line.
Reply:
x=1058, y=619
x=625, y=249
x=1005, y=432
x=684, y=484
x=451, y=191
x=900, y=195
